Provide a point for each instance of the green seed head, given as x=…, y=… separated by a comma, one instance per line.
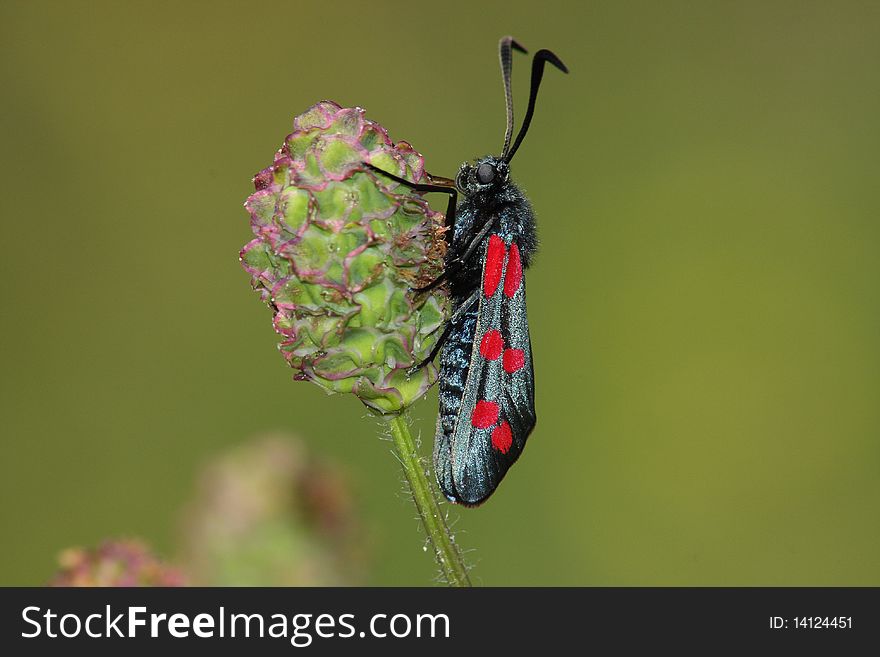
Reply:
x=336, y=251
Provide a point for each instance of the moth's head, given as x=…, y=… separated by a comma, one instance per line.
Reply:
x=484, y=175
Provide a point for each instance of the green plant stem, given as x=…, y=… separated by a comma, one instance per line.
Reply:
x=424, y=495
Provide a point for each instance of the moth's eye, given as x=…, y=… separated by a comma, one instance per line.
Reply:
x=485, y=173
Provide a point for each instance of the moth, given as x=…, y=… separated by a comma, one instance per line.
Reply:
x=487, y=381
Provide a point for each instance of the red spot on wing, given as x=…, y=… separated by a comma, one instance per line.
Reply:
x=485, y=414
x=491, y=345
x=494, y=265
x=513, y=277
x=502, y=438
x=513, y=360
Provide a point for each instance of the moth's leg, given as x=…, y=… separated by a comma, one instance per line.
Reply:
x=436, y=350
x=443, y=186
x=450, y=206
x=434, y=184
x=461, y=310
x=457, y=264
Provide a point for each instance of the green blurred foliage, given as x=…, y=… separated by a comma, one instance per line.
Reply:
x=704, y=311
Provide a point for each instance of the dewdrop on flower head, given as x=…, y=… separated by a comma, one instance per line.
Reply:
x=336, y=252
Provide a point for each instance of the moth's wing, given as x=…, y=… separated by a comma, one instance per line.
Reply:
x=497, y=411
x=454, y=363
x=518, y=401
x=443, y=460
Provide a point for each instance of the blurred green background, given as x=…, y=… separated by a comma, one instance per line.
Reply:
x=705, y=310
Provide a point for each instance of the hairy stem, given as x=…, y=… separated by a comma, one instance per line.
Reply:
x=424, y=494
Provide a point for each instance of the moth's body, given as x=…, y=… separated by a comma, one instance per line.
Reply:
x=503, y=206
x=487, y=383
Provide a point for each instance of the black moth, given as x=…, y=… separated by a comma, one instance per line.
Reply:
x=487, y=383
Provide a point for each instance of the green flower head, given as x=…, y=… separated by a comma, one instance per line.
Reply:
x=337, y=249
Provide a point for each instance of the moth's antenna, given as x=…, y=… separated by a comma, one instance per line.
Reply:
x=541, y=57
x=506, y=48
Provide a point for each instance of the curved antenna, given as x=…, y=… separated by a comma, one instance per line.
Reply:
x=541, y=57
x=506, y=47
